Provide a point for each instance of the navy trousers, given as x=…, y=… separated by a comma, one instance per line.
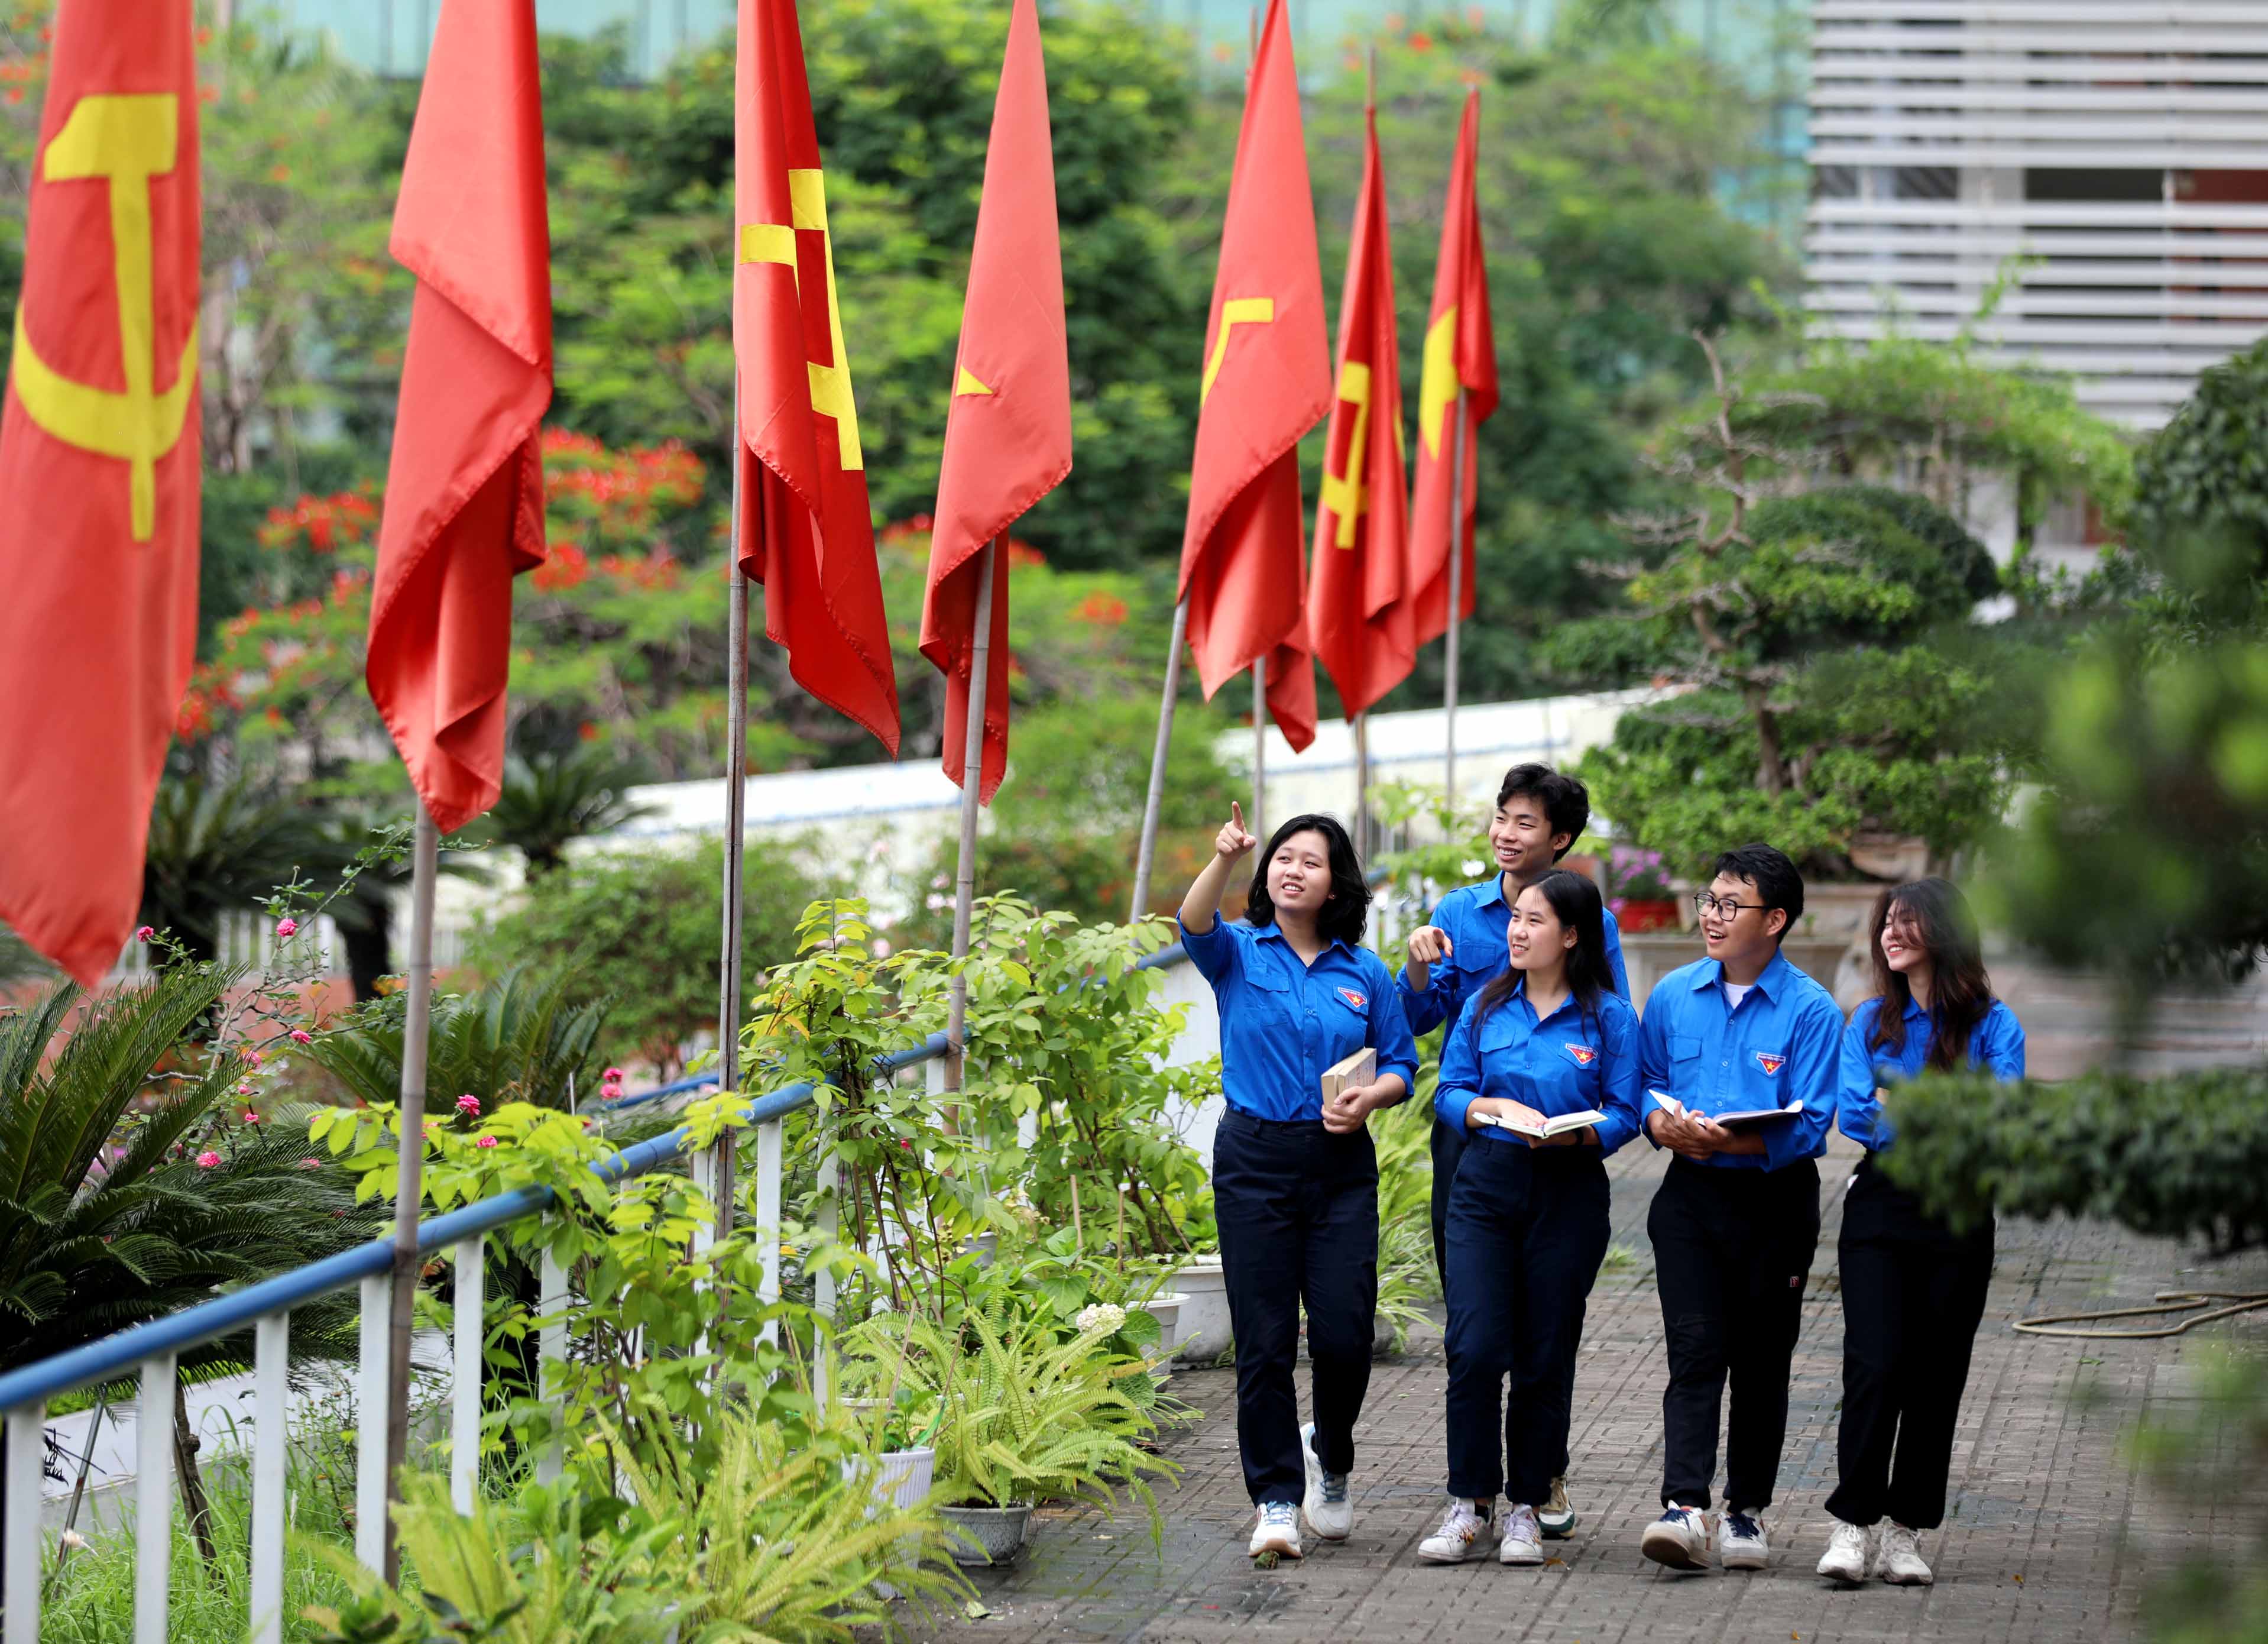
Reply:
x=1298, y=1212
x=1913, y=1293
x=1526, y=1232
x=1731, y=1250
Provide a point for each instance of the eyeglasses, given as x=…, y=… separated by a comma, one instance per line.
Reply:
x=1705, y=904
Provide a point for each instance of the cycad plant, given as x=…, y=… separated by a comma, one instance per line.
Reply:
x=521, y=1038
x=214, y=849
x=550, y=800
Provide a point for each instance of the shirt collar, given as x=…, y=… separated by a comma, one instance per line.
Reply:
x=1519, y=993
x=1913, y=1010
x=1272, y=931
x=1771, y=982
x=1491, y=889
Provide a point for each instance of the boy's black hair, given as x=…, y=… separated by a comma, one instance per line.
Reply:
x=1774, y=876
x=1347, y=909
x=1566, y=802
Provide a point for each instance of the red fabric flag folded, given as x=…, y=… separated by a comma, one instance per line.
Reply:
x=1007, y=429
x=98, y=477
x=464, y=486
x=1357, y=612
x=1267, y=381
x=807, y=529
x=1460, y=349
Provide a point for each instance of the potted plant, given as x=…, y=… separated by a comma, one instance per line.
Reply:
x=1639, y=891
x=898, y=1427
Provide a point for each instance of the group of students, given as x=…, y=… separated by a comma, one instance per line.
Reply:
x=1526, y=968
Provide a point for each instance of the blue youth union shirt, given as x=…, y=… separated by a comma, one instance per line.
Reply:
x=1784, y=1044
x=1475, y=918
x=1569, y=1061
x=1996, y=1045
x=1283, y=1021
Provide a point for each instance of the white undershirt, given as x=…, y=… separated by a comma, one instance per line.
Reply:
x=1734, y=992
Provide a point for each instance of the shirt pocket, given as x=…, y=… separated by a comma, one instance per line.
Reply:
x=1268, y=993
x=1684, y=1047
x=1346, y=1025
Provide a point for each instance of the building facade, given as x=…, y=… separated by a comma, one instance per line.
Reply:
x=2119, y=147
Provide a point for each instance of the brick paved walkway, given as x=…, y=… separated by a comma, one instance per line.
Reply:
x=2049, y=1535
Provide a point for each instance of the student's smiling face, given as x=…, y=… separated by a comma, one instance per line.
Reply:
x=1747, y=934
x=1521, y=836
x=1904, y=948
x=1299, y=873
x=1536, y=938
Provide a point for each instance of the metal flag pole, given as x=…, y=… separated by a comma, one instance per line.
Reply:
x=972, y=786
x=714, y=1174
x=1147, y=851
x=1362, y=786
x=409, y=1186
x=1456, y=596
x=1259, y=743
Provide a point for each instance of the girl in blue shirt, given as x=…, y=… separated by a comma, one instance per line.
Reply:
x=1527, y=1217
x=1295, y=1179
x=1913, y=1287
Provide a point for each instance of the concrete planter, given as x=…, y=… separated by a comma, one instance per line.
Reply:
x=1202, y=1320
x=986, y=1535
x=1166, y=1307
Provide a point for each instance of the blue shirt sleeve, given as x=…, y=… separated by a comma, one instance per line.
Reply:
x=1460, y=1080
x=1653, y=1052
x=1214, y=954
x=1859, y=1110
x=2000, y=1043
x=1815, y=1057
x=1618, y=1077
x=1389, y=1029
x=1614, y=956
x=1426, y=1009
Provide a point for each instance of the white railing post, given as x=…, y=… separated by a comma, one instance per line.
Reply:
x=370, y=1422
x=153, y=1499
x=769, y=1149
x=822, y=1282
x=551, y=1357
x=465, y=1371
x=270, y=1449
x=19, y=1570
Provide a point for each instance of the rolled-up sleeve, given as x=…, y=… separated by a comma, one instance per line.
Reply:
x=1213, y=954
x=1390, y=1031
x=2001, y=1050
x=1460, y=1073
x=1618, y=1078
x=1815, y=1057
x=1615, y=958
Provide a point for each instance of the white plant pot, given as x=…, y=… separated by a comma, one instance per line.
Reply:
x=1166, y=1307
x=905, y=1475
x=1202, y=1323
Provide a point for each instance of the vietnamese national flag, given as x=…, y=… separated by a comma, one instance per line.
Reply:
x=1359, y=612
x=1267, y=381
x=806, y=530
x=1460, y=351
x=1007, y=429
x=99, y=467
x=464, y=486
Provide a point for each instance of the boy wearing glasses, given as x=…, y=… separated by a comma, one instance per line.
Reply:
x=1736, y=1218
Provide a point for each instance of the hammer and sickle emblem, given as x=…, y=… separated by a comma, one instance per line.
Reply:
x=1347, y=494
x=775, y=242
x=125, y=140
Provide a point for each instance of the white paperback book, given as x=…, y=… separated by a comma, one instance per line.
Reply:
x=1746, y=1116
x=1557, y=1124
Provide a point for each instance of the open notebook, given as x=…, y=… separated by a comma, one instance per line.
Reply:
x=1558, y=1123
x=1730, y=1121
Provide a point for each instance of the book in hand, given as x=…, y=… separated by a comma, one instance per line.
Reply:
x=1350, y=1072
x=1729, y=1121
x=1557, y=1124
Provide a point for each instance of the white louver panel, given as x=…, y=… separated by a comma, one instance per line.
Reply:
x=2123, y=146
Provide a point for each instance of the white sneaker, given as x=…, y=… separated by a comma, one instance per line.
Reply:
x=1900, y=1561
x=1679, y=1539
x=1330, y=1513
x=1277, y=1530
x=1740, y=1541
x=1849, y=1555
x=1555, y=1517
x=1523, y=1538
x=1463, y=1534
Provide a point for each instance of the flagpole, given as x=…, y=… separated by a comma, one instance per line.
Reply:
x=1147, y=851
x=1362, y=784
x=1259, y=742
x=972, y=789
x=718, y=1169
x=409, y=1189
x=1456, y=595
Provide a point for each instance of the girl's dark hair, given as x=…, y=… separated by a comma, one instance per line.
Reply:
x=1346, y=910
x=1960, y=990
x=1575, y=903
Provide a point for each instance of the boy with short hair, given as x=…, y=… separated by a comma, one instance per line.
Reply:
x=1736, y=1218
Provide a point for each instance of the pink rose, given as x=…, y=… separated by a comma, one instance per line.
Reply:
x=613, y=1075
x=243, y=1086
x=311, y=1164
x=250, y=1117
x=145, y=932
x=485, y=1141
x=287, y=927
x=469, y=1104
x=252, y=1058
x=207, y=1159
x=301, y=1036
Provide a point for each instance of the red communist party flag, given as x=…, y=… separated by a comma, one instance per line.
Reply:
x=806, y=532
x=98, y=477
x=1460, y=351
x=1267, y=381
x=1007, y=430
x=464, y=486
x=1358, y=610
